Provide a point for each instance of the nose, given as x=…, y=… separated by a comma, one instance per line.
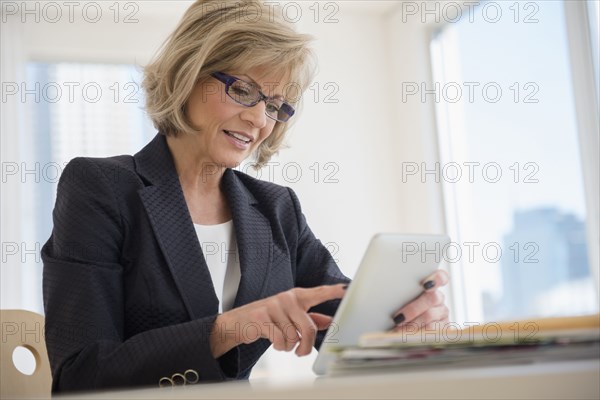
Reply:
x=255, y=115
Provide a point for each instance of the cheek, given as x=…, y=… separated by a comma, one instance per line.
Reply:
x=266, y=132
x=204, y=110
x=219, y=110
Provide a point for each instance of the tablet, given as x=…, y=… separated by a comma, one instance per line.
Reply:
x=388, y=277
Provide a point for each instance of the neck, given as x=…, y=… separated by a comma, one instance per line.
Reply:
x=196, y=172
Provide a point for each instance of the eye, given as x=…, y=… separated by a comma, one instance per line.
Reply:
x=272, y=108
x=240, y=90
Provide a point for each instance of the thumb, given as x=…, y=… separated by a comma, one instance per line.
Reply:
x=321, y=321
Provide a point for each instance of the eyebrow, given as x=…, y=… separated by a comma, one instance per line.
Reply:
x=277, y=96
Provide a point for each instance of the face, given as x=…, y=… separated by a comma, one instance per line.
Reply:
x=230, y=132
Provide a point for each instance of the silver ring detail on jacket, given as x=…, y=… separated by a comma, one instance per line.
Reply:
x=189, y=377
x=188, y=374
x=164, y=382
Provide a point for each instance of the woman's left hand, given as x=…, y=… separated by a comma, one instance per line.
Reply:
x=427, y=309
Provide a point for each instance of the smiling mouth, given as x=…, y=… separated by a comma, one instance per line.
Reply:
x=238, y=136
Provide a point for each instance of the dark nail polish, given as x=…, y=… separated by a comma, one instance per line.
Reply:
x=398, y=319
x=429, y=285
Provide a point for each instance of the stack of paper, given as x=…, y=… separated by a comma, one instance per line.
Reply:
x=475, y=345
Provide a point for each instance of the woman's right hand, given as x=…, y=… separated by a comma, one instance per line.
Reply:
x=283, y=319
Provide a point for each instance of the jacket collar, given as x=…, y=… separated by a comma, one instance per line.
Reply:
x=155, y=162
x=172, y=224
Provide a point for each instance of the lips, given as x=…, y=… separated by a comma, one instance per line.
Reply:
x=241, y=136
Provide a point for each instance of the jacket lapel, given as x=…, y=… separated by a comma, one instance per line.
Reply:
x=254, y=239
x=172, y=224
x=174, y=229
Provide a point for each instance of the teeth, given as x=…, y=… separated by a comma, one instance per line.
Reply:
x=238, y=136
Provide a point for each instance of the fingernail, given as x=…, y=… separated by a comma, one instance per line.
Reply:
x=429, y=285
x=398, y=319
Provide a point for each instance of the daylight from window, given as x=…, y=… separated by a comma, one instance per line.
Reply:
x=511, y=165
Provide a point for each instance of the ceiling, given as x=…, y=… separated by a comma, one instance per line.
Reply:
x=171, y=8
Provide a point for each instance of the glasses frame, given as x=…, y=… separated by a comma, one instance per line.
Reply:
x=229, y=80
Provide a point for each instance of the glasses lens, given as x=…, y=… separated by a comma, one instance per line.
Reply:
x=273, y=108
x=279, y=110
x=285, y=112
x=244, y=93
x=247, y=94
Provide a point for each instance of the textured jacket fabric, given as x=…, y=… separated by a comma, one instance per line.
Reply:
x=128, y=296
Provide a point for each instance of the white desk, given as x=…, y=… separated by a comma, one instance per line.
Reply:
x=559, y=380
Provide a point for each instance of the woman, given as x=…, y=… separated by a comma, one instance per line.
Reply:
x=132, y=296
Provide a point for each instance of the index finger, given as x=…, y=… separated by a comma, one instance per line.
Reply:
x=310, y=297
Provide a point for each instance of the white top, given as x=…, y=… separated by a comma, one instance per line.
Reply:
x=219, y=247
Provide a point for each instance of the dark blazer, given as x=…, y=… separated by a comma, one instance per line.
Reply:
x=128, y=296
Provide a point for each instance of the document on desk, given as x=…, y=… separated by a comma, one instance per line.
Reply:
x=492, y=343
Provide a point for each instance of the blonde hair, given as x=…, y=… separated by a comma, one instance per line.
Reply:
x=222, y=35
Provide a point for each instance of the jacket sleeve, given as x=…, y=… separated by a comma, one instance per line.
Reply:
x=84, y=299
x=315, y=266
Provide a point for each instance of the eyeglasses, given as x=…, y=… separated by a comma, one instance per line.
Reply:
x=248, y=94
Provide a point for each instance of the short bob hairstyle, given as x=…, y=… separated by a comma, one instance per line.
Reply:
x=222, y=35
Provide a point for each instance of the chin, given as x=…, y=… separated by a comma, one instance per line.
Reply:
x=233, y=162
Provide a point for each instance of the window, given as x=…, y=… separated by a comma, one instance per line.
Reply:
x=89, y=109
x=594, y=17
x=510, y=163
x=73, y=109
